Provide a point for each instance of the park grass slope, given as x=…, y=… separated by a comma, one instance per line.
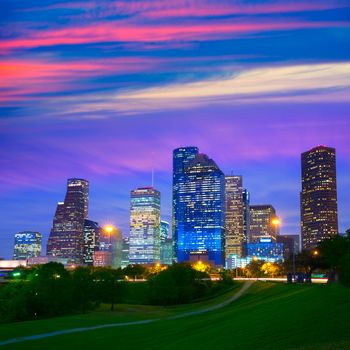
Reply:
x=267, y=316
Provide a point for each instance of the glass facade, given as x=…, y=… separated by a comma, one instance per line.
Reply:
x=144, y=240
x=198, y=202
x=319, y=208
x=265, y=249
x=66, y=238
x=246, y=218
x=27, y=245
x=92, y=232
x=234, y=216
x=166, y=244
x=262, y=222
x=181, y=158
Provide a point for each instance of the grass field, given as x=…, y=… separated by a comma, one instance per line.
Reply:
x=267, y=316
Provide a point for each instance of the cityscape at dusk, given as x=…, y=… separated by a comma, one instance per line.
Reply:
x=106, y=92
x=145, y=144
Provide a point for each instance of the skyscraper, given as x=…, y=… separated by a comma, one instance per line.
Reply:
x=234, y=216
x=181, y=158
x=92, y=232
x=144, y=241
x=262, y=222
x=27, y=245
x=199, y=208
x=246, y=210
x=164, y=230
x=166, y=244
x=319, y=209
x=66, y=238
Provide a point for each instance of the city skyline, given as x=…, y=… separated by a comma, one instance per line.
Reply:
x=126, y=232
x=106, y=90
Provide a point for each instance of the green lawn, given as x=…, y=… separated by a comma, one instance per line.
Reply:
x=268, y=316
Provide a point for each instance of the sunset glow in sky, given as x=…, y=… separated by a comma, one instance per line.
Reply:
x=105, y=90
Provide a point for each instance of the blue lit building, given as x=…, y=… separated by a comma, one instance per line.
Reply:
x=198, y=206
x=166, y=244
x=144, y=240
x=27, y=245
x=164, y=230
x=266, y=248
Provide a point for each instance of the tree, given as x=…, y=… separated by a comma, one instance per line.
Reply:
x=253, y=269
x=83, y=288
x=179, y=283
x=335, y=255
x=271, y=269
x=135, y=271
x=107, y=287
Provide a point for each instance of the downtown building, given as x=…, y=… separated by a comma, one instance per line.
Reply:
x=66, y=238
x=262, y=223
x=198, y=207
x=166, y=244
x=109, y=252
x=144, y=239
x=92, y=233
x=28, y=244
x=318, y=197
x=235, y=235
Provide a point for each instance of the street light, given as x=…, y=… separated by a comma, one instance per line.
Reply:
x=109, y=229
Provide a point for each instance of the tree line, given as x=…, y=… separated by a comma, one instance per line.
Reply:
x=50, y=290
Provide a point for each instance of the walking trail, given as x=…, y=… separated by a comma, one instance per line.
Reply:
x=85, y=329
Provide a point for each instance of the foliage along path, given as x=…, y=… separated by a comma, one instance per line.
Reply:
x=90, y=328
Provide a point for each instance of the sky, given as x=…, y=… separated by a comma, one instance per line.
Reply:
x=105, y=90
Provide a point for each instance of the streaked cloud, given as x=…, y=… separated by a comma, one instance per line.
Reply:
x=124, y=31
x=327, y=82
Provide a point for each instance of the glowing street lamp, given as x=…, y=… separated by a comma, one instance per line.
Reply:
x=276, y=222
x=109, y=230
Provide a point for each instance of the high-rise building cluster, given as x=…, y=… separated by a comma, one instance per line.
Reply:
x=213, y=219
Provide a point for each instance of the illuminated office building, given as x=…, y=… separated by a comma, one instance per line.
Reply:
x=318, y=198
x=144, y=240
x=234, y=216
x=166, y=244
x=92, y=233
x=164, y=230
x=199, y=207
x=125, y=252
x=265, y=249
x=27, y=245
x=66, y=238
x=262, y=222
x=181, y=158
x=246, y=217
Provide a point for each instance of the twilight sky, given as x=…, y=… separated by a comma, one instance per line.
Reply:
x=105, y=90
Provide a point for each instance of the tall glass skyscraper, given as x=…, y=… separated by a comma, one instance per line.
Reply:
x=66, y=238
x=181, y=158
x=144, y=240
x=198, y=206
x=234, y=216
x=27, y=245
x=319, y=209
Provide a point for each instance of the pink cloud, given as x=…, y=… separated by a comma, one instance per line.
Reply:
x=21, y=77
x=123, y=31
x=190, y=8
